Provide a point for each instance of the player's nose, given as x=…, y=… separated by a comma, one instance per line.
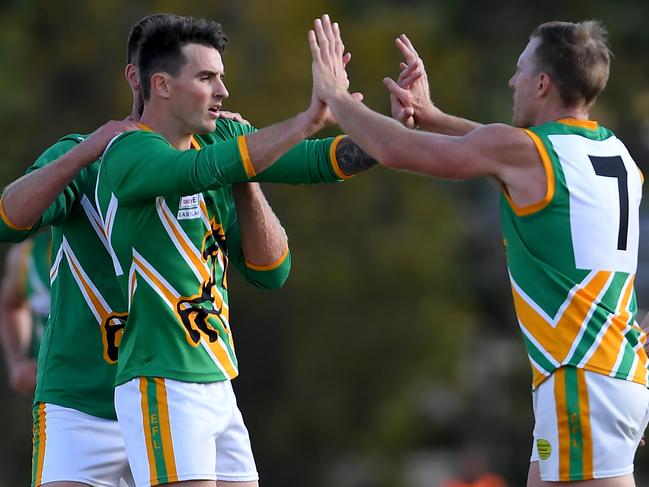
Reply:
x=220, y=91
x=512, y=82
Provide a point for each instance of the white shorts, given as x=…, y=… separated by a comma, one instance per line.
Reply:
x=588, y=425
x=69, y=445
x=176, y=431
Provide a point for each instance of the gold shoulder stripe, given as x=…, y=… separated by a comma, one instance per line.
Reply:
x=7, y=221
x=549, y=175
x=334, y=161
x=269, y=267
x=245, y=156
x=584, y=124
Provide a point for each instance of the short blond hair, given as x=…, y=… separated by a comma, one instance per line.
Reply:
x=576, y=56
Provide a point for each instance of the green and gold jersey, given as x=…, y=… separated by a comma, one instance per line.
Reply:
x=77, y=359
x=171, y=224
x=37, y=285
x=78, y=353
x=572, y=257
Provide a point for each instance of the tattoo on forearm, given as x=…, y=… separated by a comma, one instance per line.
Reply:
x=351, y=158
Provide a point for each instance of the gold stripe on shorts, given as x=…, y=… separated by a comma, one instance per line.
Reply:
x=39, y=439
x=146, y=425
x=562, y=422
x=586, y=432
x=165, y=430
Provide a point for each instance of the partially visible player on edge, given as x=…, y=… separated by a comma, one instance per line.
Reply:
x=569, y=211
x=168, y=213
x=76, y=436
x=25, y=307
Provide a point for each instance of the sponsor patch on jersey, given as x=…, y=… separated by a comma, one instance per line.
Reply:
x=544, y=448
x=188, y=207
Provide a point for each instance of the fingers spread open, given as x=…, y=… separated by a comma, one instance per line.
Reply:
x=404, y=38
x=410, y=73
x=408, y=54
x=340, y=47
x=402, y=95
x=315, y=48
x=321, y=37
x=329, y=33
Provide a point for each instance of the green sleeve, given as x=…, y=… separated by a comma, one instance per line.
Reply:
x=271, y=277
x=308, y=162
x=142, y=165
x=61, y=206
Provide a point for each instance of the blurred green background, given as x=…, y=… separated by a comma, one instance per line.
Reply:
x=392, y=357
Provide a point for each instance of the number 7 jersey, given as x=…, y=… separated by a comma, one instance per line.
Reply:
x=572, y=257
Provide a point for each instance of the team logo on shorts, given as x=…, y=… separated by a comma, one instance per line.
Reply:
x=544, y=448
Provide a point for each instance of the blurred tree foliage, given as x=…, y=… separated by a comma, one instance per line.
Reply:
x=395, y=333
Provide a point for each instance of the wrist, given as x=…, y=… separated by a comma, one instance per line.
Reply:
x=429, y=116
x=83, y=155
x=309, y=122
x=80, y=157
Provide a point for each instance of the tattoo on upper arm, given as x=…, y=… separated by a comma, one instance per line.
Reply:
x=351, y=158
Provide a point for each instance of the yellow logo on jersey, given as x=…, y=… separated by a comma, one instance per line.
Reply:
x=544, y=448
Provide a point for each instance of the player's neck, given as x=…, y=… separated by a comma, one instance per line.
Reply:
x=557, y=113
x=167, y=126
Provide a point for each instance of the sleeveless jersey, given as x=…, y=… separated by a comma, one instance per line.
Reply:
x=572, y=257
x=171, y=224
x=37, y=285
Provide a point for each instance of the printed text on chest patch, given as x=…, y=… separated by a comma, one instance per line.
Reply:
x=188, y=207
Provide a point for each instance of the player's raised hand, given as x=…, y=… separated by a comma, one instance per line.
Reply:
x=328, y=67
x=413, y=80
x=401, y=105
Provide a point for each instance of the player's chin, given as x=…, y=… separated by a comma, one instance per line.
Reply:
x=206, y=127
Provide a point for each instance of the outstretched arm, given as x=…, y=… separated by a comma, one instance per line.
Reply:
x=16, y=321
x=27, y=198
x=504, y=152
x=267, y=144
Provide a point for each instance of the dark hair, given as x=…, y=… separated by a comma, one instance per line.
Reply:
x=135, y=35
x=162, y=40
x=576, y=56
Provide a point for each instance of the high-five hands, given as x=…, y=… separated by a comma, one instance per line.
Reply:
x=410, y=94
x=329, y=61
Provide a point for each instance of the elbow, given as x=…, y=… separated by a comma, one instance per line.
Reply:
x=274, y=281
x=273, y=277
x=269, y=279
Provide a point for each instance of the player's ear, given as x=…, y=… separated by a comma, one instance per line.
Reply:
x=160, y=85
x=130, y=72
x=544, y=83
